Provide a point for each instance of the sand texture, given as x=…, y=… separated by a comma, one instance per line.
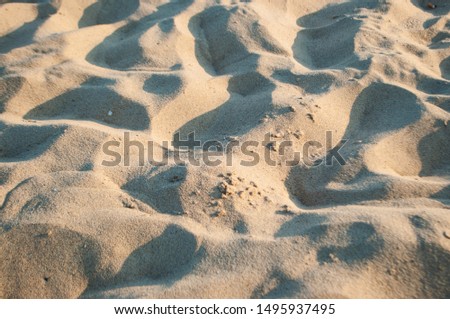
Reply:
x=75, y=74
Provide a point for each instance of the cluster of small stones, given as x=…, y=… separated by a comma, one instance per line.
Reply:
x=233, y=186
x=281, y=135
x=238, y=187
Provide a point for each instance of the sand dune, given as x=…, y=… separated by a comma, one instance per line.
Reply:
x=74, y=75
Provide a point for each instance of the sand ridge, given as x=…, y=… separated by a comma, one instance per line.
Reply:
x=77, y=74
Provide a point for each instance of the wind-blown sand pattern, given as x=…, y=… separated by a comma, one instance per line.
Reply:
x=75, y=74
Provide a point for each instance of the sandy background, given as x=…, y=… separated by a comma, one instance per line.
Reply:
x=76, y=74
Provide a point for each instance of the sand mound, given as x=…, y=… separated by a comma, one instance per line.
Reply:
x=107, y=11
x=367, y=79
x=219, y=44
x=110, y=108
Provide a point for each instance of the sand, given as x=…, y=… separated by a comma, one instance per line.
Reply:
x=75, y=75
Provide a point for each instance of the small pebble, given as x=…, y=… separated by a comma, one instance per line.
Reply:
x=221, y=213
x=277, y=135
x=272, y=146
x=310, y=116
x=232, y=181
x=129, y=205
x=298, y=134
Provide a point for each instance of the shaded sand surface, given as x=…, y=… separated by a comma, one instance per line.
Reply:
x=77, y=74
